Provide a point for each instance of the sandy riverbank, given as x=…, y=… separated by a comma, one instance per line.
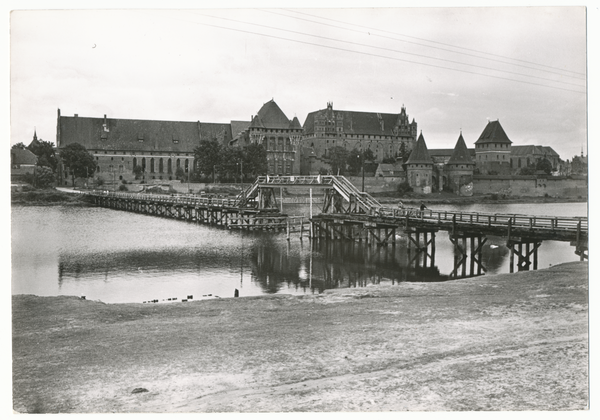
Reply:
x=504, y=342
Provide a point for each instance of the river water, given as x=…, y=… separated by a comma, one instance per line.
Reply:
x=115, y=256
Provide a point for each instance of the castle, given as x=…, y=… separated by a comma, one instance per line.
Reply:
x=163, y=148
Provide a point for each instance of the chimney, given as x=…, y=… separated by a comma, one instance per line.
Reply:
x=76, y=115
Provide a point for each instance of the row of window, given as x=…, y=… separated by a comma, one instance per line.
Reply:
x=276, y=130
x=283, y=168
x=161, y=165
x=153, y=167
x=487, y=145
x=368, y=137
x=479, y=157
x=115, y=152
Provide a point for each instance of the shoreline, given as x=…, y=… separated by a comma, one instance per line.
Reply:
x=54, y=197
x=501, y=342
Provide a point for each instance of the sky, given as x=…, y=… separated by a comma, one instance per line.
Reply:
x=454, y=69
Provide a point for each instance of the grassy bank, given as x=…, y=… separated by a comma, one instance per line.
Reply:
x=47, y=197
x=503, y=342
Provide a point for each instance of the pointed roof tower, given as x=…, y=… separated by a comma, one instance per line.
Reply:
x=296, y=123
x=460, y=155
x=493, y=133
x=271, y=116
x=420, y=154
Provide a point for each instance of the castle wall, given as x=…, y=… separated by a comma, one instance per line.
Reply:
x=530, y=186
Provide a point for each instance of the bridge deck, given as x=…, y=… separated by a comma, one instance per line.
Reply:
x=368, y=210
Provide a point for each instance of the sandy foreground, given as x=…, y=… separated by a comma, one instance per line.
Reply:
x=503, y=342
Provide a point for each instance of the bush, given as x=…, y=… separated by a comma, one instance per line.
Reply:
x=123, y=187
x=124, y=182
x=404, y=188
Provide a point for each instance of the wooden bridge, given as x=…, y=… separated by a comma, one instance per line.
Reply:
x=349, y=214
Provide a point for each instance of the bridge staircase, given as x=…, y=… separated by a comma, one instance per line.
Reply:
x=341, y=195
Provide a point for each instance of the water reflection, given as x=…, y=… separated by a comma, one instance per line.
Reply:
x=275, y=264
x=335, y=264
x=125, y=257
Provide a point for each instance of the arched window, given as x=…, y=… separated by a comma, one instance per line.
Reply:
x=187, y=165
x=161, y=167
x=134, y=162
x=143, y=164
x=152, y=165
x=169, y=169
x=178, y=163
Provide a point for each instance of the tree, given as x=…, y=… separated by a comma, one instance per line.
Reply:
x=137, y=171
x=255, y=160
x=44, y=176
x=78, y=160
x=44, y=150
x=207, y=156
x=338, y=159
x=544, y=165
x=231, y=159
x=355, y=161
x=19, y=145
x=527, y=170
x=179, y=173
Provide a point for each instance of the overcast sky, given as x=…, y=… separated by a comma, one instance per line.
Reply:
x=453, y=68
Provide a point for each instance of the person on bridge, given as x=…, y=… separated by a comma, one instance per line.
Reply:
x=423, y=207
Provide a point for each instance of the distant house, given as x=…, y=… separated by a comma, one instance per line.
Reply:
x=390, y=170
x=22, y=162
x=523, y=156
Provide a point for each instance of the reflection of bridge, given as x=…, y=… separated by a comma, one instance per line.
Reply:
x=349, y=214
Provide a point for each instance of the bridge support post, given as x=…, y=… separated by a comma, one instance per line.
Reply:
x=525, y=249
x=463, y=253
x=418, y=240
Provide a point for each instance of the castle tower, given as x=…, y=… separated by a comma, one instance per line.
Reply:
x=460, y=168
x=492, y=150
x=419, y=168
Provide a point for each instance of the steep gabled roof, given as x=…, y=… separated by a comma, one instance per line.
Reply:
x=22, y=157
x=357, y=122
x=460, y=155
x=493, y=133
x=271, y=116
x=420, y=153
x=549, y=151
x=390, y=167
x=139, y=135
x=237, y=127
x=526, y=150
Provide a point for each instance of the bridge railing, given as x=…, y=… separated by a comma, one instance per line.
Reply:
x=490, y=219
x=173, y=199
x=369, y=204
